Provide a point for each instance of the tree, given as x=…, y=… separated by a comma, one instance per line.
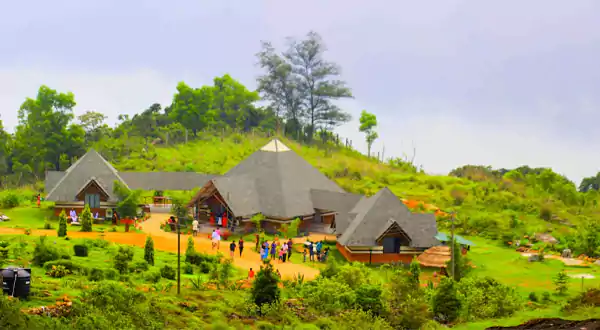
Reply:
x=265, y=289
x=193, y=107
x=317, y=80
x=149, y=251
x=234, y=103
x=86, y=219
x=408, y=305
x=590, y=183
x=415, y=271
x=561, y=281
x=129, y=200
x=179, y=209
x=62, y=224
x=91, y=120
x=461, y=264
x=445, y=302
x=190, y=250
x=368, y=123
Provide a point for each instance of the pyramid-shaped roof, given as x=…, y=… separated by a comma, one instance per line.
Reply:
x=276, y=181
x=90, y=165
x=374, y=215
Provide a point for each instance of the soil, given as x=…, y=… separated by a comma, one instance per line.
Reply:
x=164, y=241
x=556, y=324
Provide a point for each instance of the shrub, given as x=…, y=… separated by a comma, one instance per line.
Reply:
x=140, y=266
x=80, y=250
x=545, y=213
x=561, y=281
x=86, y=219
x=168, y=272
x=368, y=298
x=445, y=302
x=149, y=251
x=264, y=289
x=415, y=271
x=533, y=297
x=62, y=224
x=484, y=297
x=98, y=243
x=328, y=295
x=188, y=269
x=47, y=225
x=10, y=200
x=190, y=251
x=122, y=259
x=354, y=275
x=96, y=274
x=206, y=267
x=58, y=272
x=44, y=252
x=111, y=274
x=408, y=304
x=152, y=276
x=67, y=264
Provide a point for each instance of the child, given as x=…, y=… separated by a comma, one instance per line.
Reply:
x=280, y=255
x=304, y=254
x=250, y=274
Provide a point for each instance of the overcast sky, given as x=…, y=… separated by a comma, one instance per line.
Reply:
x=500, y=83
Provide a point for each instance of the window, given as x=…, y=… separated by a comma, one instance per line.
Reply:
x=93, y=200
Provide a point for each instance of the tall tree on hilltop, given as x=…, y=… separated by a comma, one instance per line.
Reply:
x=368, y=123
x=280, y=87
x=192, y=107
x=590, y=183
x=44, y=136
x=318, y=81
x=301, y=86
x=234, y=103
x=93, y=124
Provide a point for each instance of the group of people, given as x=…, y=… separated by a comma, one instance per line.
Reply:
x=315, y=251
x=274, y=250
x=232, y=247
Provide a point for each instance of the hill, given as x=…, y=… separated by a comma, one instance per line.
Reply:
x=504, y=205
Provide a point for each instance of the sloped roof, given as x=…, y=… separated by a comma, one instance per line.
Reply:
x=89, y=165
x=93, y=180
x=436, y=256
x=276, y=181
x=375, y=214
x=52, y=178
x=341, y=203
x=165, y=180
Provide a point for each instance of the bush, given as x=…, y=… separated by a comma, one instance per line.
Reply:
x=139, y=266
x=445, y=303
x=97, y=243
x=265, y=288
x=96, y=275
x=168, y=272
x=328, y=295
x=47, y=225
x=484, y=297
x=10, y=200
x=58, y=272
x=196, y=258
x=368, y=298
x=67, y=264
x=188, y=269
x=152, y=276
x=533, y=297
x=149, y=251
x=86, y=219
x=122, y=259
x=206, y=267
x=44, y=252
x=62, y=224
x=80, y=250
x=561, y=281
x=111, y=274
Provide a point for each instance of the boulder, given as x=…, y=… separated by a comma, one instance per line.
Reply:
x=567, y=253
x=534, y=258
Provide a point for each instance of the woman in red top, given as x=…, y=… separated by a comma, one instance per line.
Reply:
x=251, y=274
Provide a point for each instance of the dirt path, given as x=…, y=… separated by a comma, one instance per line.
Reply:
x=566, y=261
x=168, y=242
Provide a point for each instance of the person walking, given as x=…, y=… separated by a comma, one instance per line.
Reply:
x=314, y=252
x=285, y=249
x=241, y=246
x=273, y=250
x=304, y=254
x=290, y=244
x=232, y=249
x=195, y=227
x=213, y=238
x=250, y=275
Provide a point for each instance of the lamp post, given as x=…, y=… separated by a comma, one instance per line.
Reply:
x=178, y=256
x=452, y=245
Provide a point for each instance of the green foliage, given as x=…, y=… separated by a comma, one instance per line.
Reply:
x=561, y=282
x=140, y=266
x=264, y=288
x=408, y=305
x=44, y=252
x=257, y=220
x=190, y=251
x=368, y=123
x=96, y=274
x=179, y=209
x=188, y=268
x=122, y=258
x=149, y=251
x=462, y=267
x=62, y=224
x=415, y=271
x=152, y=276
x=86, y=219
x=328, y=295
x=168, y=272
x=369, y=298
x=58, y=272
x=445, y=302
x=485, y=297
x=9, y=200
x=129, y=200
x=80, y=250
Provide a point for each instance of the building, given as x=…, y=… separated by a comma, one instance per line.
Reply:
x=91, y=179
x=280, y=185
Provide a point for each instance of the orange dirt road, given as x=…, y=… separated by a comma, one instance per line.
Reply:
x=168, y=242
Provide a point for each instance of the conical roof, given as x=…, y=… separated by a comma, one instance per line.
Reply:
x=436, y=256
x=90, y=166
x=278, y=180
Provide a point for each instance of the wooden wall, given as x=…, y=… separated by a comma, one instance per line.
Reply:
x=376, y=258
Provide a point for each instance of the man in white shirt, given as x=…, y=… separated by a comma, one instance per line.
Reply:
x=195, y=227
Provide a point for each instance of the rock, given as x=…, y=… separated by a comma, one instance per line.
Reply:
x=567, y=253
x=533, y=258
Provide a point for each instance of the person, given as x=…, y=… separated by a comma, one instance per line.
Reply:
x=39, y=200
x=195, y=228
x=311, y=252
x=281, y=255
x=314, y=252
x=219, y=221
x=290, y=244
x=214, y=239
x=241, y=246
x=250, y=274
x=304, y=254
x=285, y=249
x=232, y=249
x=319, y=247
x=262, y=251
x=273, y=250
x=266, y=255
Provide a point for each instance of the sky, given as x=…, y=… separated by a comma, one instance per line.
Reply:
x=502, y=83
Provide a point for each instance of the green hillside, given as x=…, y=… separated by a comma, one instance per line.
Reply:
x=503, y=206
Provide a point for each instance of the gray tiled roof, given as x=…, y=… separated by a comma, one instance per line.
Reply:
x=373, y=215
x=341, y=203
x=90, y=165
x=165, y=180
x=277, y=183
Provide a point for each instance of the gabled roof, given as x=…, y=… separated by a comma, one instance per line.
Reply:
x=89, y=165
x=274, y=181
x=341, y=203
x=374, y=215
x=94, y=181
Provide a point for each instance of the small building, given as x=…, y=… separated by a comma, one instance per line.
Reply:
x=275, y=182
x=90, y=180
x=381, y=229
